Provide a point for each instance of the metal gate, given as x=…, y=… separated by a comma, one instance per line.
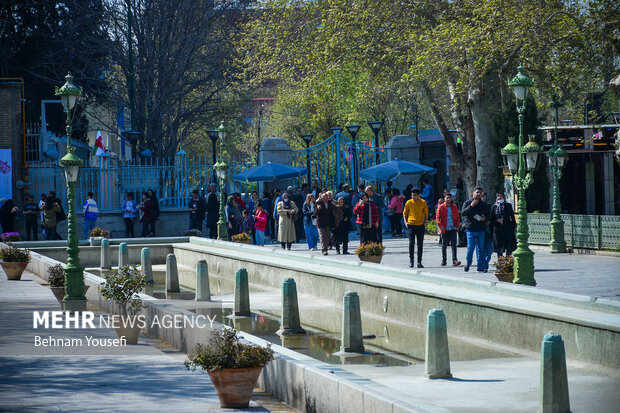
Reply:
x=337, y=160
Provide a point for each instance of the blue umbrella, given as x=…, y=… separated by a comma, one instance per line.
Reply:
x=269, y=172
x=390, y=170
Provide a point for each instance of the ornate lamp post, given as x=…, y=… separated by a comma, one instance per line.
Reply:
x=221, y=169
x=307, y=137
x=353, y=130
x=74, y=299
x=523, y=157
x=557, y=156
x=213, y=135
x=376, y=127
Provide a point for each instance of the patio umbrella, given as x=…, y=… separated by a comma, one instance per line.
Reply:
x=390, y=170
x=269, y=172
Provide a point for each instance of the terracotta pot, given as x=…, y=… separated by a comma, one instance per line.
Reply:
x=235, y=386
x=13, y=270
x=247, y=241
x=371, y=258
x=59, y=293
x=131, y=334
x=505, y=277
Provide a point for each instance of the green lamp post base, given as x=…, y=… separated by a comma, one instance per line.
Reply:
x=557, y=245
x=222, y=231
x=74, y=305
x=524, y=267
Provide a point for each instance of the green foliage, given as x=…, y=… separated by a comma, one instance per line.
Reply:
x=12, y=254
x=99, y=232
x=431, y=227
x=369, y=249
x=123, y=286
x=56, y=276
x=240, y=237
x=11, y=237
x=224, y=351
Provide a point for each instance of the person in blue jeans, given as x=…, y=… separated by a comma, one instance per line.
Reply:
x=476, y=213
x=91, y=212
x=312, y=233
x=488, y=238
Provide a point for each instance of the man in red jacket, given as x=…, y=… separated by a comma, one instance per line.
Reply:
x=448, y=221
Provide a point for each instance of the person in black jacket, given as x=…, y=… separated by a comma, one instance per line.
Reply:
x=341, y=231
x=503, y=225
x=197, y=210
x=213, y=211
x=476, y=215
x=155, y=202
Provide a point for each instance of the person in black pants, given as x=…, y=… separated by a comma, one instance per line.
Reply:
x=342, y=230
x=31, y=214
x=155, y=215
x=197, y=210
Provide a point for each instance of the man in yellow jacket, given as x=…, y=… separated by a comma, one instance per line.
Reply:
x=416, y=215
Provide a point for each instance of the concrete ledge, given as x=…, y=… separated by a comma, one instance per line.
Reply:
x=302, y=382
x=509, y=315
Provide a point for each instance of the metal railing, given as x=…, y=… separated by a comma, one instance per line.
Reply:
x=580, y=231
x=172, y=180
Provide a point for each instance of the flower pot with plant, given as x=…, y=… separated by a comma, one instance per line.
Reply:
x=193, y=232
x=96, y=235
x=370, y=251
x=11, y=237
x=14, y=261
x=56, y=278
x=242, y=238
x=233, y=366
x=122, y=286
x=505, y=268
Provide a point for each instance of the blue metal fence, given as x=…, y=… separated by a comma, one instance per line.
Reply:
x=333, y=161
x=111, y=180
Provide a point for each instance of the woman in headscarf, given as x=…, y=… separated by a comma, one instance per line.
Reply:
x=50, y=208
x=287, y=211
x=7, y=215
x=503, y=225
x=233, y=217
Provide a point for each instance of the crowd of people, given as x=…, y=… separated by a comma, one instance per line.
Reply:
x=312, y=214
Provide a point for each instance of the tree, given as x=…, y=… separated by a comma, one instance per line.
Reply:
x=458, y=54
x=182, y=65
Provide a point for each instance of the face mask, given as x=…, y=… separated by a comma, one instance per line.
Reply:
x=501, y=201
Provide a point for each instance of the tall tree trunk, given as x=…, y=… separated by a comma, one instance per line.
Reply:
x=482, y=105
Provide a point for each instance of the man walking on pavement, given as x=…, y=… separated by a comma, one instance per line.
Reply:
x=197, y=210
x=475, y=214
x=378, y=201
x=415, y=215
x=448, y=221
x=213, y=211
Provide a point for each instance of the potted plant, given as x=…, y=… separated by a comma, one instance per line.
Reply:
x=14, y=261
x=431, y=227
x=242, y=238
x=233, y=366
x=122, y=286
x=56, y=278
x=96, y=235
x=11, y=237
x=370, y=251
x=193, y=232
x=505, y=268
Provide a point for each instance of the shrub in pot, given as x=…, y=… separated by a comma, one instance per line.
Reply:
x=122, y=286
x=370, y=251
x=505, y=268
x=193, y=232
x=14, y=261
x=11, y=237
x=96, y=235
x=56, y=278
x=233, y=366
x=242, y=238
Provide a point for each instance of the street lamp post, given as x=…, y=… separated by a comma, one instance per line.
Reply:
x=376, y=127
x=307, y=137
x=519, y=158
x=221, y=168
x=353, y=129
x=213, y=135
x=74, y=299
x=557, y=156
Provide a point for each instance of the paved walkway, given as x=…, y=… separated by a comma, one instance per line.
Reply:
x=144, y=378
x=591, y=275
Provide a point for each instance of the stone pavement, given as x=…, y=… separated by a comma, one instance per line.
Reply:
x=591, y=275
x=147, y=377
